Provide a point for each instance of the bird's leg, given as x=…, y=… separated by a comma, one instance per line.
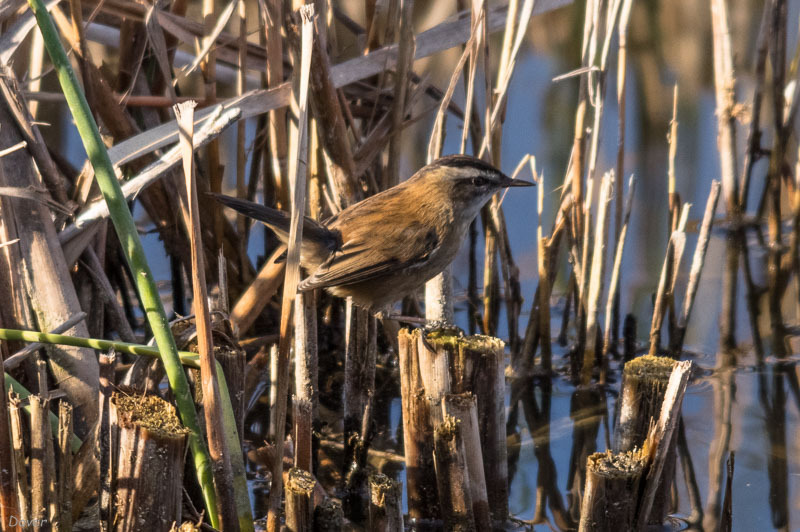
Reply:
x=413, y=320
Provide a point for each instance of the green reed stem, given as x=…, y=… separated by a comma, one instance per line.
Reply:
x=134, y=253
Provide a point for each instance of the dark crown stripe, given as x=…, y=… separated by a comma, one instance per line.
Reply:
x=465, y=161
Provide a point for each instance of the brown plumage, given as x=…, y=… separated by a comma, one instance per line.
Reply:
x=388, y=245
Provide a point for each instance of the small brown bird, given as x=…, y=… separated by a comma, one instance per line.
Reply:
x=390, y=244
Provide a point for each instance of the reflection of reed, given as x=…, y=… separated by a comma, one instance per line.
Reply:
x=724, y=385
x=537, y=416
x=696, y=516
x=587, y=407
x=773, y=401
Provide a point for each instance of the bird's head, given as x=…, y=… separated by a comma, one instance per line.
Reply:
x=467, y=182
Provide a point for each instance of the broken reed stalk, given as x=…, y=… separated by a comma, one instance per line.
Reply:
x=9, y=505
x=609, y=336
x=542, y=256
x=660, y=441
x=299, y=501
x=464, y=408
x=18, y=444
x=423, y=504
x=217, y=446
x=297, y=177
x=452, y=476
x=258, y=293
x=612, y=491
x=673, y=197
x=40, y=481
x=597, y=278
x=666, y=283
x=149, y=456
x=698, y=260
x=132, y=247
x=644, y=382
x=385, y=504
x=106, y=440
x=64, y=481
x=359, y=387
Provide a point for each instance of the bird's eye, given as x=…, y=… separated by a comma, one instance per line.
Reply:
x=479, y=181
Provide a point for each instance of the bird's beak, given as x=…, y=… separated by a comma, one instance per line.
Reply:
x=518, y=183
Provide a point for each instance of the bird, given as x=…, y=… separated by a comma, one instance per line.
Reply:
x=388, y=245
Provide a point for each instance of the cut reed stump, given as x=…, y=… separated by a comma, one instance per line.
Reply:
x=463, y=407
x=299, y=501
x=328, y=517
x=479, y=369
x=149, y=458
x=423, y=502
x=359, y=386
x=644, y=382
x=613, y=483
x=452, y=477
x=385, y=508
x=446, y=362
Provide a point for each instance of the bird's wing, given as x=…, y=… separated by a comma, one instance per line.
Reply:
x=356, y=261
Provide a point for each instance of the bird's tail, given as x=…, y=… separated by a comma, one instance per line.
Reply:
x=318, y=241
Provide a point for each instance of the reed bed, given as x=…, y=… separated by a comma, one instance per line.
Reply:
x=284, y=399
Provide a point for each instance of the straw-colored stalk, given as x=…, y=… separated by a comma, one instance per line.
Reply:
x=698, y=260
x=666, y=282
x=217, y=446
x=10, y=510
x=725, y=90
x=128, y=235
x=277, y=151
x=609, y=334
x=64, y=481
x=40, y=472
x=622, y=71
x=543, y=316
x=597, y=277
x=405, y=58
x=256, y=296
x=297, y=177
x=106, y=440
x=18, y=445
x=209, y=68
x=241, y=87
x=672, y=138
